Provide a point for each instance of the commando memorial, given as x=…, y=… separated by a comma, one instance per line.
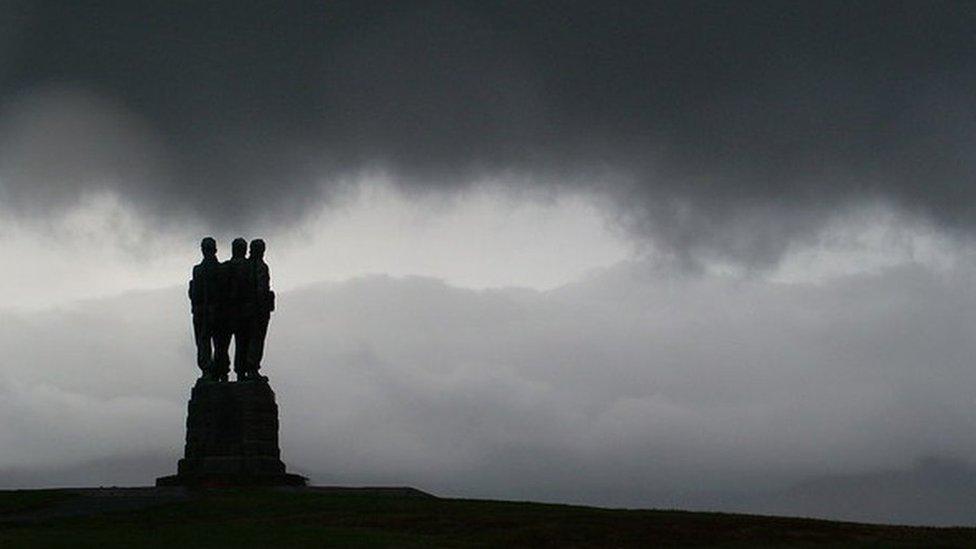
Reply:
x=231, y=426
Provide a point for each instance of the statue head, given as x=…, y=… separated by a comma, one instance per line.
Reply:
x=257, y=248
x=209, y=247
x=238, y=248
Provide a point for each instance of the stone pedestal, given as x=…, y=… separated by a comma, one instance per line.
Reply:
x=232, y=438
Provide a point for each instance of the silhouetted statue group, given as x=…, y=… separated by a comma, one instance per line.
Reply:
x=231, y=299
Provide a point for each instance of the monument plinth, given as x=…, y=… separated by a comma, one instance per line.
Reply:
x=232, y=438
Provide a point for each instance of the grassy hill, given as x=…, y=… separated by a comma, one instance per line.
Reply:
x=148, y=517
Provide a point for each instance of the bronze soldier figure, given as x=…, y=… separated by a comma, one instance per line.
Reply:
x=204, y=296
x=234, y=275
x=261, y=303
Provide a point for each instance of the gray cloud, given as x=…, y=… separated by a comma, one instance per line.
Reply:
x=718, y=129
x=635, y=387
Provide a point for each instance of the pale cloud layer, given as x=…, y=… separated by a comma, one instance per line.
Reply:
x=638, y=386
x=488, y=236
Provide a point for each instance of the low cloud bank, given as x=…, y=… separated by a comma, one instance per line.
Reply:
x=634, y=387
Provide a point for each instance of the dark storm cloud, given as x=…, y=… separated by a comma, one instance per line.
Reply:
x=727, y=128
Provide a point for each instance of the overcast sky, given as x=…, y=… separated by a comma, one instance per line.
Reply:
x=606, y=252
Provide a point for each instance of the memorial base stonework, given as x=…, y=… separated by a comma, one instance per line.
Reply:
x=232, y=438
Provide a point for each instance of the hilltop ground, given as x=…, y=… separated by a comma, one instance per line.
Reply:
x=310, y=517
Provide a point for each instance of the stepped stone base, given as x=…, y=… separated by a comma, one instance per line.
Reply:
x=232, y=438
x=215, y=480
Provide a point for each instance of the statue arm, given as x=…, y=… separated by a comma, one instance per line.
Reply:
x=195, y=289
x=262, y=287
x=267, y=288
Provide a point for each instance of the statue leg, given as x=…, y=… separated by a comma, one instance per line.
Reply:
x=241, y=338
x=221, y=366
x=201, y=334
x=255, y=350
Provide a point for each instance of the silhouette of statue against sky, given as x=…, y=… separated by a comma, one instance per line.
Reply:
x=262, y=303
x=231, y=301
x=205, y=296
x=231, y=428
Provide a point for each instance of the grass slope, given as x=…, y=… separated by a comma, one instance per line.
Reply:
x=308, y=518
